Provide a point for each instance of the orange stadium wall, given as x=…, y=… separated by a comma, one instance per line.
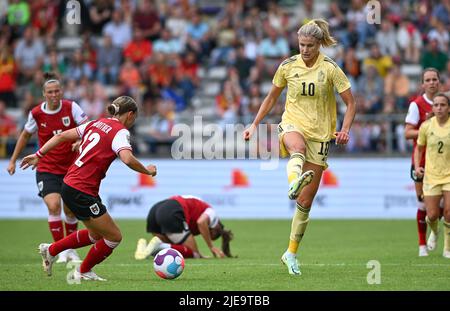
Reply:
x=350, y=188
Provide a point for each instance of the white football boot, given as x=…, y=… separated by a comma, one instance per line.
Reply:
x=290, y=260
x=47, y=259
x=296, y=186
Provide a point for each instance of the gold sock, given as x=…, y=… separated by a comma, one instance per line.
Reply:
x=434, y=225
x=298, y=227
x=294, y=166
x=447, y=236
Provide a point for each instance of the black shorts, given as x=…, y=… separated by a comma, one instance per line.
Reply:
x=48, y=183
x=82, y=205
x=414, y=176
x=167, y=217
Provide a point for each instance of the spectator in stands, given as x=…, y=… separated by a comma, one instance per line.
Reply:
x=109, y=59
x=397, y=84
x=8, y=130
x=409, y=41
x=433, y=57
x=251, y=103
x=228, y=103
x=35, y=86
x=442, y=12
x=386, y=39
x=305, y=11
x=440, y=33
x=44, y=16
x=7, y=76
x=381, y=62
x=351, y=65
x=167, y=44
x=73, y=91
x=18, y=16
x=129, y=76
x=161, y=124
x=92, y=104
x=226, y=37
x=358, y=16
x=100, y=13
x=159, y=71
x=118, y=29
x=139, y=48
x=147, y=19
x=177, y=23
x=243, y=65
x=370, y=84
x=29, y=54
x=89, y=51
x=274, y=46
x=350, y=36
x=54, y=62
x=78, y=67
x=198, y=36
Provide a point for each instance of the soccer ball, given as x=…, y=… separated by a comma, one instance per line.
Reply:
x=168, y=263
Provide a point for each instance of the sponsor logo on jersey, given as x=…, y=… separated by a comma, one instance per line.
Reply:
x=66, y=121
x=44, y=124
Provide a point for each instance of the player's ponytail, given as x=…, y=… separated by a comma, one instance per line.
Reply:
x=318, y=28
x=227, y=236
x=121, y=105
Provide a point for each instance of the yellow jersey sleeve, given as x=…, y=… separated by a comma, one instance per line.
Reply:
x=340, y=80
x=422, y=138
x=279, y=79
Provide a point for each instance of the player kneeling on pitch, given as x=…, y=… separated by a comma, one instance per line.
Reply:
x=175, y=221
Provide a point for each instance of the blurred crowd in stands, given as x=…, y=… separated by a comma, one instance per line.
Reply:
x=163, y=53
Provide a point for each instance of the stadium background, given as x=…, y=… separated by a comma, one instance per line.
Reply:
x=216, y=59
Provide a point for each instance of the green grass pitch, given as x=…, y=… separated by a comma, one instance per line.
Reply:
x=333, y=256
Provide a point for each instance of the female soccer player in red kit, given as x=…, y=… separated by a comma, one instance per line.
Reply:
x=47, y=119
x=102, y=141
x=175, y=221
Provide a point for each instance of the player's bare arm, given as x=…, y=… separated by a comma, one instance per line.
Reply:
x=21, y=143
x=266, y=106
x=418, y=154
x=127, y=157
x=410, y=131
x=33, y=159
x=203, y=227
x=342, y=136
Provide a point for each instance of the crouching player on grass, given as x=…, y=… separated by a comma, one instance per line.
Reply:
x=175, y=221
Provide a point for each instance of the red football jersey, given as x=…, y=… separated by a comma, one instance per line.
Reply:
x=417, y=114
x=48, y=123
x=193, y=208
x=102, y=140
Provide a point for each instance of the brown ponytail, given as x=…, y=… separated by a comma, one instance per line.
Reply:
x=227, y=236
x=121, y=105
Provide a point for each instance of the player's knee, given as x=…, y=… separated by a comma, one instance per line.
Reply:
x=115, y=237
x=54, y=209
x=433, y=215
x=305, y=202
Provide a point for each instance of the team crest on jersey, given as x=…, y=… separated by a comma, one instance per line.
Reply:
x=94, y=209
x=321, y=77
x=66, y=121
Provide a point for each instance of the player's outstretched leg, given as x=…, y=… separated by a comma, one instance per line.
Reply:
x=47, y=259
x=296, y=186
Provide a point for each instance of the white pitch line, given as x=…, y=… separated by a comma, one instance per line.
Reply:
x=247, y=264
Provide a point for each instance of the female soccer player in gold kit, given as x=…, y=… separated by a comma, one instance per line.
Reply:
x=434, y=137
x=308, y=122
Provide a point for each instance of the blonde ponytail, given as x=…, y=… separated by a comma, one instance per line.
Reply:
x=318, y=28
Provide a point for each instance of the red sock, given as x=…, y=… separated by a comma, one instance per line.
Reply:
x=71, y=226
x=98, y=252
x=184, y=250
x=56, y=227
x=75, y=240
x=421, y=226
